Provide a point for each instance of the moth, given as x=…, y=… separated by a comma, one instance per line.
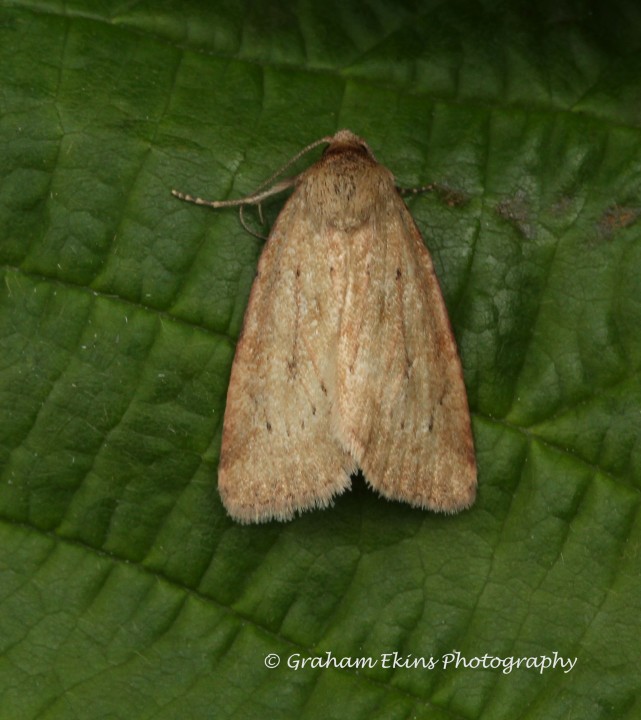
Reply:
x=346, y=358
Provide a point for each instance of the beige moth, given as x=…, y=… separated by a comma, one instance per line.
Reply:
x=346, y=358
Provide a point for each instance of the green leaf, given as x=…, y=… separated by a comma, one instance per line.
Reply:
x=125, y=590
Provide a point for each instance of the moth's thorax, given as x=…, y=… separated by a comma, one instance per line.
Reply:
x=345, y=186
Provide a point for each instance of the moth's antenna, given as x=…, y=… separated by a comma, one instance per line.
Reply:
x=260, y=194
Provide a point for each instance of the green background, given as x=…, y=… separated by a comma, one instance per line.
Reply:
x=125, y=591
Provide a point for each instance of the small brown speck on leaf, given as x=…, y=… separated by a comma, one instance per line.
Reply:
x=615, y=218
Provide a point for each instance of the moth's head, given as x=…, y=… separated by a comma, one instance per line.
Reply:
x=346, y=140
